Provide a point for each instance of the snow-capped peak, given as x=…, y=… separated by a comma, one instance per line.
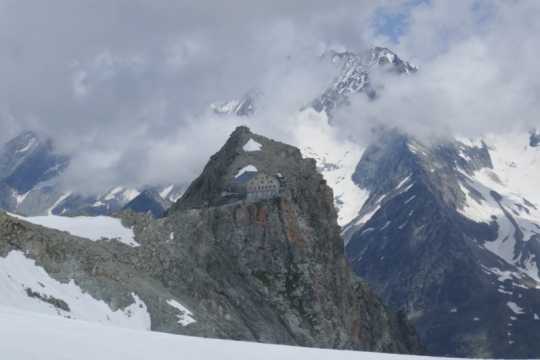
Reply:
x=245, y=106
x=354, y=77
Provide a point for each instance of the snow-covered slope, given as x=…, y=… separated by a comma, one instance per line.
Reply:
x=28, y=287
x=336, y=161
x=79, y=280
x=25, y=335
x=509, y=195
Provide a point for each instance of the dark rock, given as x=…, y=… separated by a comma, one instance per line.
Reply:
x=534, y=139
x=57, y=303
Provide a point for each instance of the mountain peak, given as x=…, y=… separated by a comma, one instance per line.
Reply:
x=244, y=106
x=354, y=77
x=246, y=151
x=23, y=143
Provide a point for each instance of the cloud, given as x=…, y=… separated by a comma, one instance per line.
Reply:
x=478, y=73
x=121, y=86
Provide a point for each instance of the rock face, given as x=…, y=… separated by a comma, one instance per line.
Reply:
x=418, y=246
x=534, y=140
x=271, y=271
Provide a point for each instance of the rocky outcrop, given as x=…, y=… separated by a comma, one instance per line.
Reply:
x=206, y=191
x=270, y=271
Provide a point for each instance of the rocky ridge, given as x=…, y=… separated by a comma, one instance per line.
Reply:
x=272, y=271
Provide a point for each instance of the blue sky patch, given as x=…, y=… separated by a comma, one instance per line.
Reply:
x=392, y=22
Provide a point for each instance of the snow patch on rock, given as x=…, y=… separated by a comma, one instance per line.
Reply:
x=28, y=286
x=90, y=227
x=515, y=308
x=252, y=145
x=185, y=317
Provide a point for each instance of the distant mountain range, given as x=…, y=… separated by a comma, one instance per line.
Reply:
x=29, y=184
x=354, y=76
x=354, y=70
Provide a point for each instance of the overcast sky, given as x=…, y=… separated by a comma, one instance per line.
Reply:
x=121, y=85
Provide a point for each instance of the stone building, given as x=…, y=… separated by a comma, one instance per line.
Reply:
x=256, y=185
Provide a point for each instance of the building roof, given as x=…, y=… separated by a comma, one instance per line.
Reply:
x=245, y=177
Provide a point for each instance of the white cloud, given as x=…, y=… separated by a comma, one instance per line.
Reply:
x=184, y=51
x=478, y=72
x=128, y=81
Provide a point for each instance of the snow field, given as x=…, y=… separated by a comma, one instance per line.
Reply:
x=30, y=336
x=516, y=163
x=90, y=227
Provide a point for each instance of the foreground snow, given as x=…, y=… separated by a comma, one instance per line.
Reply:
x=25, y=335
x=28, y=287
x=90, y=227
